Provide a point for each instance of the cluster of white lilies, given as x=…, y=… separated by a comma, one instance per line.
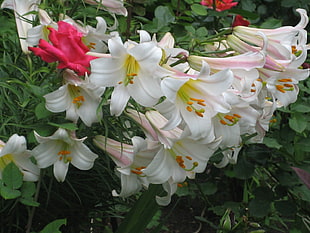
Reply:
x=195, y=105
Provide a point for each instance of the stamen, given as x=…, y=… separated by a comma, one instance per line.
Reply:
x=188, y=108
x=223, y=122
x=78, y=99
x=202, y=104
x=136, y=172
x=294, y=49
x=199, y=114
x=188, y=157
x=237, y=115
x=64, y=152
x=285, y=80
x=198, y=100
x=280, y=88
x=288, y=85
x=190, y=102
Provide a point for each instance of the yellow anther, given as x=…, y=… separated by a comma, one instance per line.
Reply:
x=294, y=49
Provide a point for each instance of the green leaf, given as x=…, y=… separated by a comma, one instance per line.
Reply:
x=29, y=202
x=145, y=208
x=271, y=23
x=272, y=143
x=68, y=126
x=199, y=9
x=298, y=122
x=208, y=188
x=28, y=189
x=8, y=193
x=300, y=108
x=54, y=226
x=12, y=176
x=164, y=16
x=243, y=169
x=259, y=208
x=286, y=207
x=41, y=112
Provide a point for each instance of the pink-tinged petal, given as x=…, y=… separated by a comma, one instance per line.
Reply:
x=169, y=110
x=119, y=99
x=245, y=61
x=60, y=170
x=121, y=153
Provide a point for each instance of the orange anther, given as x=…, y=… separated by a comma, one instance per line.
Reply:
x=188, y=108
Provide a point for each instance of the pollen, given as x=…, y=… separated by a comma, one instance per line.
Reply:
x=190, y=102
x=223, y=122
x=199, y=114
x=288, y=85
x=188, y=108
x=285, y=80
x=294, y=49
x=280, y=88
x=136, y=172
x=64, y=152
x=198, y=100
x=78, y=99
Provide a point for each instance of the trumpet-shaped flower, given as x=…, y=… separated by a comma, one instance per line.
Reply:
x=280, y=40
x=79, y=98
x=67, y=48
x=220, y=5
x=23, y=17
x=230, y=126
x=131, y=70
x=113, y=6
x=15, y=150
x=130, y=160
x=195, y=99
x=61, y=149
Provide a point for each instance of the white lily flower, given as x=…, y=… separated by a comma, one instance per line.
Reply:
x=280, y=40
x=79, y=98
x=131, y=70
x=61, y=149
x=113, y=6
x=229, y=127
x=131, y=160
x=15, y=150
x=195, y=99
x=23, y=19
